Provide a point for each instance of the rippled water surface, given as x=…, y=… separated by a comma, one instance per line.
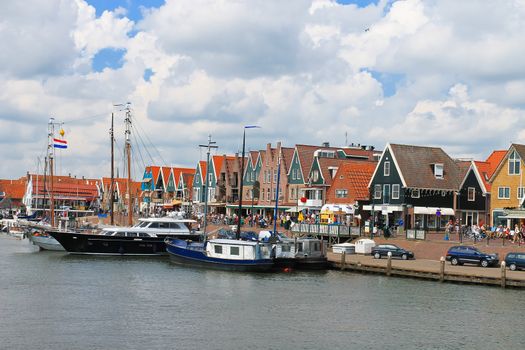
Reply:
x=51, y=300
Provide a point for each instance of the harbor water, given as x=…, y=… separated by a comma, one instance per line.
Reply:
x=51, y=300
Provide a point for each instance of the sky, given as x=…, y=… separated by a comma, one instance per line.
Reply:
x=441, y=73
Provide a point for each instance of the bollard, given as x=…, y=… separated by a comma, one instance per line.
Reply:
x=442, y=269
x=343, y=261
x=488, y=240
x=389, y=264
x=503, y=275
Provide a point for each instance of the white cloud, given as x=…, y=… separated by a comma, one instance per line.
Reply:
x=300, y=69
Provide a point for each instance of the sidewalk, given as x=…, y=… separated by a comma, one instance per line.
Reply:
x=434, y=246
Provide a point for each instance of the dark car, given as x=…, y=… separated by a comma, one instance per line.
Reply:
x=382, y=250
x=515, y=261
x=460, y=255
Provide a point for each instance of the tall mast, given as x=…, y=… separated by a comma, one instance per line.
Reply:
x=50, y=153
x=111, y=184
x=209, y=146
x=127, y=121
x=274, y=233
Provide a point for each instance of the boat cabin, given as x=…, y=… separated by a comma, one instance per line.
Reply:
x=237, y=250
x=152, y=227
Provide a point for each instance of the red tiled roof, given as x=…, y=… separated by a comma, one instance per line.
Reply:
x=494, y=159
x=203, y=170
x=14, y=189
x=484, y=170
x=353, y=176
x=166, y=171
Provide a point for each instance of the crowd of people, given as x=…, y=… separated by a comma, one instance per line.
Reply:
x=482, y=231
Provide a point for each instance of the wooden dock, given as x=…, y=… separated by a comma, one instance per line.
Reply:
x=440, y=271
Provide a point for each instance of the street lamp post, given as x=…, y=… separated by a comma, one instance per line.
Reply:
x=239, y=214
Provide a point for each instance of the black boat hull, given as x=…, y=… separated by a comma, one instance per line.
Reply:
x=81, y=243
x=308, y=263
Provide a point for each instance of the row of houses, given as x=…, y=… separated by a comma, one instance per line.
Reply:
x=404, y=185
x=76, y=196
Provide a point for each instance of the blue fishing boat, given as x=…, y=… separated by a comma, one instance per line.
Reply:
x=222, y=254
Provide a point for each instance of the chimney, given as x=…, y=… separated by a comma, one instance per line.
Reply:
x=326, y=144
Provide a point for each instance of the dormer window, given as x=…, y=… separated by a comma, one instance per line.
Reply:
x=324, y=154
x=386, y=169
x=438, y=171
x=514, y=163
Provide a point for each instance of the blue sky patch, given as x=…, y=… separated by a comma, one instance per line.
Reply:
x=132, y=6
x=359, y=3
x=389, y=81
x=148, y=73
x=108, y=58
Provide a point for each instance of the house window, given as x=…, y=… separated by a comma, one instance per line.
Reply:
x=262, y=193
x=438, y=171
x=341, y=193
x=275, y=175
x=503, y=192
x=268, y=195
x=521, y=190
x=315, y=175
x=386, y=170
x=431, y=221
x=395, y=191
x=293, y=174
x=514, y=163
x=415, y=193
x=471, y=194
x=377, y=191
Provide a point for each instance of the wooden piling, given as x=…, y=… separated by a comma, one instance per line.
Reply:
x=442, y=269
x=389, y=264
x=503, y=275
x=343, y=261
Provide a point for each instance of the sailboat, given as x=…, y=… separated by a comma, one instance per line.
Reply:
x=221, y=254
x=37, y=233
x=145, y=238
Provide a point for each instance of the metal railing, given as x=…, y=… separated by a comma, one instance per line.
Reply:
x=326, y=230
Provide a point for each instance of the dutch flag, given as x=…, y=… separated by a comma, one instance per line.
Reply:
x=57, y=143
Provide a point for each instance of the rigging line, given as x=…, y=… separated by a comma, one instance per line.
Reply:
x=146, y=148
x=155, y=148
x=138, y=151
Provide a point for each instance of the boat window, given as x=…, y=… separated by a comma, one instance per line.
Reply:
x=132, y=234
x=174, y=225
x=316, y=247
x=218, y=249
x=120, y=234
x=154, y=225
x=286, y=248
x=143, y=234
x=143, y=224
x=300, y=248
x=109, y=233
x=234, y=250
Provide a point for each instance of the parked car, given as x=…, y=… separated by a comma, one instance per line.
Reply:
x=515, y=261
x=382, y=250
x=460, y=255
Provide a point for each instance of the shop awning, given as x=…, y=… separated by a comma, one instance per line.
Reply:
x=433, y=210
x=339, y=208
x=293, y=210
x=172, y=203
x=513, y=214
x=385, y=208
